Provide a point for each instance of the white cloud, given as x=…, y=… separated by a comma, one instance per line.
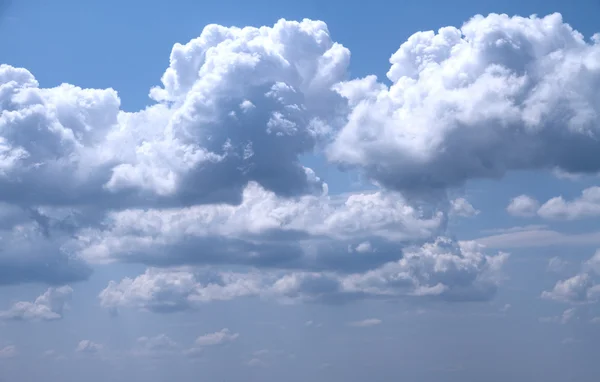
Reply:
x=523, y=206
x=156, y=346
x=366, y=323
x=557, y=265
x=88, y=347
x=312, y=324
x=530, y=227
x=236, y=105
x=216, y=338
x=461, y=207
x=593, y=263
x=538, y=236
x=155, y=290
x=442, y=270
x=187, y=147
x=53, y=354
x=586, y=206
x=566, y=317
x=209, y=174
x=580, y=288
x=9, y=351
x=499, y=94
x=310, y=232
x=194, y=352
x=256, y=362
x=47, y=307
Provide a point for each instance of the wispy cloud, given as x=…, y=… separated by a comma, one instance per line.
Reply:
x=366, y=323
x=535, y=236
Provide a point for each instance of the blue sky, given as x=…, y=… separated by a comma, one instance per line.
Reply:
x=254, y=204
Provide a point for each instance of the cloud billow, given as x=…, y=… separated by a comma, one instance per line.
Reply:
x=499, y=94
x=209, y=174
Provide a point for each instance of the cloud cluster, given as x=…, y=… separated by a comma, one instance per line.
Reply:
x=209, y=174
x=499, y=94
x=584, y=287
x=344, y=232
x=235, y=106
x=47, y=307
x=557, y=208
x=440, y=270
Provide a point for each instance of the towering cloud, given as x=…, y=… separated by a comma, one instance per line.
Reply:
x=499, y=94
x=235, y=106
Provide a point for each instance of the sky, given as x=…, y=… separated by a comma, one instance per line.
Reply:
x=299, y=190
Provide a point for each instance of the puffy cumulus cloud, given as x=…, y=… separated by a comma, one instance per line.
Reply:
x=342, y=233
x=523, y=206
x=52, y=139
x=88, y=347
x=47, y=307
x=443, y=269
x=244, y=104
x=580, y=288
x=236, y=104
x=440, y=270
x=499, y=94
x=155, y=290
x=585, y=206
x=216, y=338
x=462, y=207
